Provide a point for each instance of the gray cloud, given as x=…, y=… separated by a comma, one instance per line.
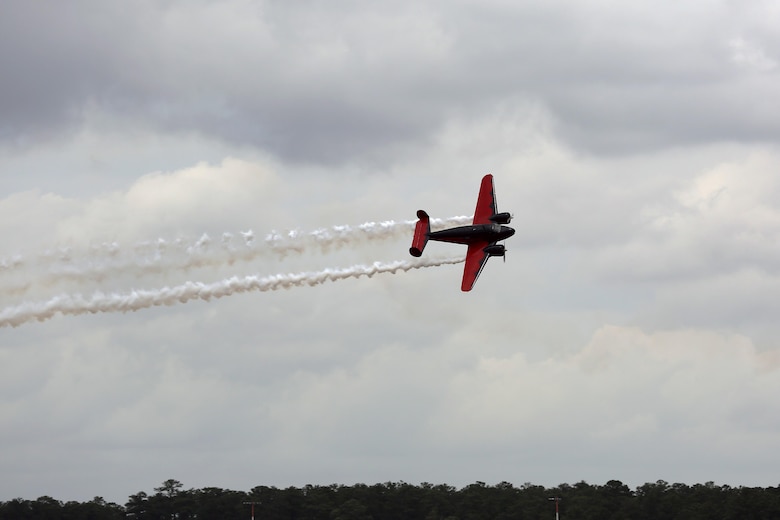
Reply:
x=341, y=82
x=631, y=333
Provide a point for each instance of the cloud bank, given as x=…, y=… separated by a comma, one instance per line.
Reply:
x=630, y=335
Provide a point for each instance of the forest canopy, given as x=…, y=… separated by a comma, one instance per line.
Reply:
x=399, y=500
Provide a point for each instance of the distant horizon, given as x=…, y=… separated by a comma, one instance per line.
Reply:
x=151, y=491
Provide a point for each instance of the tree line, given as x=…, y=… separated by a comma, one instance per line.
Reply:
x=401, y=501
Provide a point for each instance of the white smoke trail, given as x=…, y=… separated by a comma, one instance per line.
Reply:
x=76, y=304
x=107, y=259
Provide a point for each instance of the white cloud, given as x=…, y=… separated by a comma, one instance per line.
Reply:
x=625, y=390
x=718, y=222
x=198, y=198
x=750, y=56
x=416, y=380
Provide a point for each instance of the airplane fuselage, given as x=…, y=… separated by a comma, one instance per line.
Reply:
x=475, y=233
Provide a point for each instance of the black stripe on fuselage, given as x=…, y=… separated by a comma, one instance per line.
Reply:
x=465, y=234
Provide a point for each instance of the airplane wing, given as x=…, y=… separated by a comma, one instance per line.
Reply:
x=486, y=202
x=476, y=258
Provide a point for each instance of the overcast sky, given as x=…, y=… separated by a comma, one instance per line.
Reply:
x=632, y=333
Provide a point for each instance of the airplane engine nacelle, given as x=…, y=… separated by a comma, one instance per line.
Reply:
x=501, y=218
x=495, y=250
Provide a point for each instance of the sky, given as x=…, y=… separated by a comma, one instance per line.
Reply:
x=169, y=149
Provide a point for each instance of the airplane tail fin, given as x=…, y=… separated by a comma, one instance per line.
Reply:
x=421, y=231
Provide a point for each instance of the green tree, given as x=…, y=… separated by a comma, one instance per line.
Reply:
x=215, y=503
x=170, y=488
x=352, y=509
x=46, y=508
x=16, y=509
x=95, y=509
x=136, y=506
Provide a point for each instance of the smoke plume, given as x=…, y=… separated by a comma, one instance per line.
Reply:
x=98, y=302
x=102, y=261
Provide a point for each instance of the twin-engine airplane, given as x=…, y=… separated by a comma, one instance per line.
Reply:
x=481, y=236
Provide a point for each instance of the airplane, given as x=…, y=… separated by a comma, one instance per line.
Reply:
x=482, y=236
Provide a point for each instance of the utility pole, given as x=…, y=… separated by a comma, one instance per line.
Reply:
x=253, y=508
x=556, y=499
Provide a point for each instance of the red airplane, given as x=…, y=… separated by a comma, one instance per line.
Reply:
x=481, y=236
